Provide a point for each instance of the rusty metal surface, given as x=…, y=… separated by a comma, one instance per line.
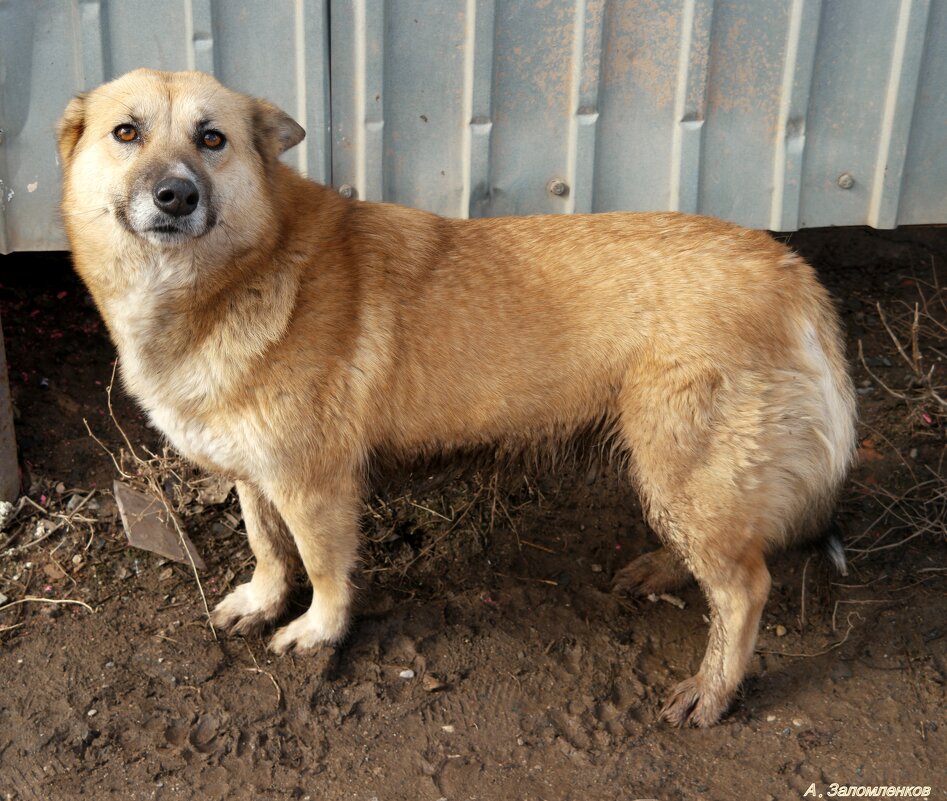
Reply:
x=781, y=115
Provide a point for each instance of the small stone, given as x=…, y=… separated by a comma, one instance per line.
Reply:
x=797, y=722
x=432, y=683
x=92, y=713
x=448, y=728
x=770, y=718
x=77, y=559
x=913, y=453
x=596, y=568
x=3, y=599
x=407, y=674
x=780, y=630
x=6, y=513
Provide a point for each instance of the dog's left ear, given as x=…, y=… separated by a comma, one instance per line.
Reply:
x=275, y=131
x=71, y=127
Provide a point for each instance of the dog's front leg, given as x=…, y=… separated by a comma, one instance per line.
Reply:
x=323, y=520
x=258, y=603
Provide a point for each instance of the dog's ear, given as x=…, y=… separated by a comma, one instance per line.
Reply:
x=71, y=127
x=275, y=131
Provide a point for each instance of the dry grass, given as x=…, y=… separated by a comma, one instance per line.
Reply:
x=917, y=333
x=426, y=519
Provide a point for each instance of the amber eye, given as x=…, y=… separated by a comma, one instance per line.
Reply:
x=213, y=140
x=126, y=133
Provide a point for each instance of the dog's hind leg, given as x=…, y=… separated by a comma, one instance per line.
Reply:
x=653, y=573
x=701, y=468
x=259, y=602
x=324, y=522
x=736, y=587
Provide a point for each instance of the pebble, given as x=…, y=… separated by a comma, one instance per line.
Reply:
x=6, y=512
x=797, y=722
x=432, y=683
x=3, y=599
x=770, y=718
x=596, y=568
x=407, y=674
x=448, y=728
x=780, y=630
x=92, y=713
x=77, y=559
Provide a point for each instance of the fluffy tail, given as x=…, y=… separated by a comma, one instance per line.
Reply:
x=832, y=547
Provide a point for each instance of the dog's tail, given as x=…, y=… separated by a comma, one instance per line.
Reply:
x=832, y=547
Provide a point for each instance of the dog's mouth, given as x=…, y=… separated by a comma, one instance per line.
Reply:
x=164, y=230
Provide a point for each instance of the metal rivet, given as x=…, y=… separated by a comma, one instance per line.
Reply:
x=347, y=190
x=557, y=187
x=845, y=181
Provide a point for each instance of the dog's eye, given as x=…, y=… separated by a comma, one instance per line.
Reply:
x=126, y=133
x=213, y=140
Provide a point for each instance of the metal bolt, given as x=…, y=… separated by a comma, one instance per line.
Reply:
x=845, y=181
x=347, y=190
x=557, y=187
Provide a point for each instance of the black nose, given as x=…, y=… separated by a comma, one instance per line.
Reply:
x=176, y=196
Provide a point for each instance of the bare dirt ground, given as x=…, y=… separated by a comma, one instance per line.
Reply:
x=529, y=679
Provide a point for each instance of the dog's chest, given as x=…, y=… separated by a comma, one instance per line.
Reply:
x=184, y=393
x=226, y=446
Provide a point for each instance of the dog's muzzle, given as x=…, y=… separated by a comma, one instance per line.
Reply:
x=169, y=208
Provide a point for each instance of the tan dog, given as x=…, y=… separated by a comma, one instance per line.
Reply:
x=279, y=333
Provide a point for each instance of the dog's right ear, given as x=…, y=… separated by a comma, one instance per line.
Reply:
x=71, y=127
x=274, y=131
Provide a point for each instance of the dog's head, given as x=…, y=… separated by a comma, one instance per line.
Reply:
x=167, y=158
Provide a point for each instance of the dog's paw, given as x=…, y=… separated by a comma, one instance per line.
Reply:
x=651, y=573
x=318, y=626
x=248, y=610
x=692, y=703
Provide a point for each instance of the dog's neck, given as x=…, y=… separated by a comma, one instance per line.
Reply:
x=171, y=323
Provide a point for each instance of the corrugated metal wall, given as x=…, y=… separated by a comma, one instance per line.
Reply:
x=776, y=114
